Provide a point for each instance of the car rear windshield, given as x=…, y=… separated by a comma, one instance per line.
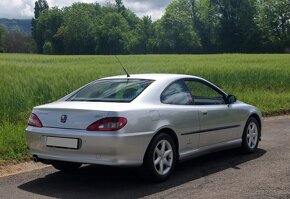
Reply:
x=112, y=90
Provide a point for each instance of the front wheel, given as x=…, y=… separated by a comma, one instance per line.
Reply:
x=251, y=136
x=160, y=158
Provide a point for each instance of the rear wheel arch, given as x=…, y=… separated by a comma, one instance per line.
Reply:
x=160, y=154
x=169, y=132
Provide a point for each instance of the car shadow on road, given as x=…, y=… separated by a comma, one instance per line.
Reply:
x=109, y=182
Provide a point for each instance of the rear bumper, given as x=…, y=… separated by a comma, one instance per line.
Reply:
x=103, y=148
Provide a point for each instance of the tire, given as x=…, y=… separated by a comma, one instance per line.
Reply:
x=251, y=136
x=66, y=166
x=160, y=158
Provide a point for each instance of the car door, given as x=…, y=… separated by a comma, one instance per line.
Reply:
x=182, y=115
x=218, y=123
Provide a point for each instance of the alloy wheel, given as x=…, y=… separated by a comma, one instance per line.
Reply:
x=163, y=157
x=252, y=135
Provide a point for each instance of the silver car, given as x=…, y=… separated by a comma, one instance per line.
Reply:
x=147, y=120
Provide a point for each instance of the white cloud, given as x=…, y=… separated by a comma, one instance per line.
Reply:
x=16, y=8
x=60, y=3
x=153, y=8
x=25, y=8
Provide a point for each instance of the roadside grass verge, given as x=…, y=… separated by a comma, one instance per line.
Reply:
x=12, y=141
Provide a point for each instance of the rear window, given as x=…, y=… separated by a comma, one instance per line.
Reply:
x=112, y=90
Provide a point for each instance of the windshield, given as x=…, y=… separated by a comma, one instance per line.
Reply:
x=112, y=90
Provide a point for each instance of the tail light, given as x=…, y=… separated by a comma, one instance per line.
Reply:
x=34, y=121
x=108, y=124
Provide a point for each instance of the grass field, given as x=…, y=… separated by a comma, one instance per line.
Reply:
x=30, y=80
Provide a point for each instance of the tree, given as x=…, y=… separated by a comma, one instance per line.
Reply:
x=144, y=34
x=130, y=16
x=274, y=22
x=118, y=34
x=113, y=35
x=48, y=24
x=206, y=23
x=238, y=30
x=77, y=30
x=2, y=35
x=18, y=42
x=47, y=48
x=40, y=7
x=188, y=26
x=175, y=31
x=120, y=6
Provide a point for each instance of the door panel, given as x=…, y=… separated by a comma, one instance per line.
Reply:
x=183, y=120
x=181, y=116
x=217, y=125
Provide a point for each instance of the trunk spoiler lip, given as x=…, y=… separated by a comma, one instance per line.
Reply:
x=84, y=106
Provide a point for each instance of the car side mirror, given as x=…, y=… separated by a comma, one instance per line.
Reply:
x=231, y=99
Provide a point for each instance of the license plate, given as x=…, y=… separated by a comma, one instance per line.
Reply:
x=70, y=143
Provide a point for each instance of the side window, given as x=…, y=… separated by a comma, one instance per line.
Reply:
x=203, y=94
x=177, y=93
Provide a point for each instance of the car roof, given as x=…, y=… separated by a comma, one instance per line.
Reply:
x=164, y=79
x=153, y=76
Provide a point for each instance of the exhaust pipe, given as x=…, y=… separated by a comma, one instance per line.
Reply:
x=35, y=159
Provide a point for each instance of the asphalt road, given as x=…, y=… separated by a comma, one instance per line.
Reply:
x=227, y=174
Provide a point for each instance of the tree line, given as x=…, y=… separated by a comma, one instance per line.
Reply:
x=188, y=26
x=15, y=41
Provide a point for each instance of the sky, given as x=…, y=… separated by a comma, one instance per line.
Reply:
x=23, y=9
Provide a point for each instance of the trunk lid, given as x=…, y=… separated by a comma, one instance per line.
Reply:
x=71, y=115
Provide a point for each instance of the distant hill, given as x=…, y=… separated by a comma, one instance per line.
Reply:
x=24, y=25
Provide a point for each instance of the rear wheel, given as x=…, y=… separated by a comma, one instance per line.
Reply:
x=160, y=158
x=66, y=166
x=251, y=136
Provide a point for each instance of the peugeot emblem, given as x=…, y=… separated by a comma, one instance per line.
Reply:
x=63, y=118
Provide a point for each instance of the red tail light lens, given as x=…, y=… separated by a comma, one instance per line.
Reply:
x=34, y=121
x=108, y=124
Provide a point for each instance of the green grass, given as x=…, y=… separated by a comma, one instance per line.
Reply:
x=12, y=141
x=30, y=80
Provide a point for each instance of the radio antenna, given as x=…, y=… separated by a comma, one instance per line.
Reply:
x=122, y=66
